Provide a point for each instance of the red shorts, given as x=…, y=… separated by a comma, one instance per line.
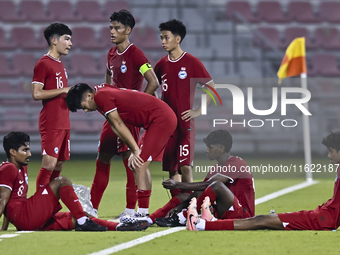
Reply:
x=236, y=211
x=140, y=145
x=56, y=143
x=40, y=212
x=179, y=150
x=110, y=143
x=308, y=220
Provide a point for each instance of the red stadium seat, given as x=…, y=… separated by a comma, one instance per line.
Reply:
x=85, y=65
x=84, y=37
x=4, y=43
x=102, y=60
x=62, y=11
x=24, y=37
x=114, y=6
x=272, y=34
x=324, y=65
x=329, y=11
x=105, y=37
x=34, y=11
x=6, y=87
x=145, y=38
x=327, y=38
x=24, y=63
x=241, y=7
x=271, y=12
x=302, y=12
x=90, y=11
x=5, y=69
x=293, y=32
x=8, y=12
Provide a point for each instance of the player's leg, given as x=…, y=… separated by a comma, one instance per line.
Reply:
x=131, y=187
x=47, y=165
x=169, y=162
x=186, y=171
x=144, y=185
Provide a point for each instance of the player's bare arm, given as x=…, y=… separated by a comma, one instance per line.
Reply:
x=38, y=93
x=108, y=78
x=5, y=194
x=125, y=135
x=153, y=83
x=194, y=113
x=196, y=186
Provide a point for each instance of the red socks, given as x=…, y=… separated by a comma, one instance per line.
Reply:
x=71, y=201
x=131, y=187
x=100, y=182
x=143, y=197
x=110, y=225
x=220, y=225
x=175, y=192
x=208, y=192
x=161, y=212
x=54, y=175
x=43, y=178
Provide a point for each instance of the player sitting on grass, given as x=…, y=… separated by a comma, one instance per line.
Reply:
x=324, y=217
x=40, y=211
x=226, y=184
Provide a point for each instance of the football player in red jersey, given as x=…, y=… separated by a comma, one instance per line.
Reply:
x=49, y=84
x=178, y=73
x=41, y=211
x=127, y=67
x=324, y=217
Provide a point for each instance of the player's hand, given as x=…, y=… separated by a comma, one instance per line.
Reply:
x=66, y=89
x=190, y=114
x=135, y=161
x=174, y=210
x=169, y=184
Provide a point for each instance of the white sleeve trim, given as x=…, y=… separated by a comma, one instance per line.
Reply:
x=223, y=175
x=110, y=111
x=6, y=186
x=38, y=83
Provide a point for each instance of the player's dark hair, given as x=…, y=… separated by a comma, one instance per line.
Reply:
x=125, y=17
x=222, y=137
x=14, y=140
x=332, y=140
x=75, y=96
x=56, y=30
x=175, y=26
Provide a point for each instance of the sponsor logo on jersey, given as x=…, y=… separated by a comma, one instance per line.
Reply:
x=56, y=150
x=182, y=74
x=123, y=67
x=57, y=73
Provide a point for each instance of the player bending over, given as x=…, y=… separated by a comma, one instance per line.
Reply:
x=40, y=211
x=324, y=217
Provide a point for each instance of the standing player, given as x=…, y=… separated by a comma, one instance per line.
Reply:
x=324, y=217
x=126, y=66
x=138, y=109
x=40, y=211
x=50, y=85
x=178, y=73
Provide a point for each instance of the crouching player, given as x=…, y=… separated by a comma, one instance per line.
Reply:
x=41, y=211
x=324, y=217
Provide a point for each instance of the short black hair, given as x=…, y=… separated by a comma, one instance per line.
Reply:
x=125, y=17
x=56, y=30
x=75, y=96
x=14, y=140
x=175, y=26
x=332, y=140
x=222, y=137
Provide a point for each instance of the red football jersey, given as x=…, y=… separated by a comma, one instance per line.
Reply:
x=134, y=107
x=51, y=73
x=241, y=184
x=178, y=79
x=17, y=181
x=124, y=67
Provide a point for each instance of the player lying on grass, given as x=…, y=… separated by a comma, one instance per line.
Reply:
x=40, y=211
x=324, y=217
x=120, y=106
x=226, y=184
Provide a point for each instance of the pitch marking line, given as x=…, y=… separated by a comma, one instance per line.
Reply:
x=147, y=238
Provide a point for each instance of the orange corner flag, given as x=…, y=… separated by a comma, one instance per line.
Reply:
x=294, y=61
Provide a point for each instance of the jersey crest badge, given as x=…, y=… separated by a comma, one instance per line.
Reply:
x=123, y=67
x=182, y=74
x=66, y=74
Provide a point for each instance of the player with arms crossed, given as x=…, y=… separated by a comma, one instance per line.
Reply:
x=226, y=184
x=126, y=68
x=120, y=106
x=50, y=85
x=178, y=74
x=324, y=217
x=41, y=211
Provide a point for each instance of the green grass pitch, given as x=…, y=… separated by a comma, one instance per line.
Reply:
x=233, y=242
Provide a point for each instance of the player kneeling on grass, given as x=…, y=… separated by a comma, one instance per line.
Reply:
x=324, y=217
x=40, y=211
x=226, y=184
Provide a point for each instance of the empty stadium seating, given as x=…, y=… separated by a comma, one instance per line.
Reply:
x=35, y=11
x=62, y=11
x=24, y=37
x=242, y=7
x=9, y=13
x=84, y=37
x=271, y=11
x=329, y=11
x=90, y=11
x=302, y=11
x=325, y=65
x=327, y=38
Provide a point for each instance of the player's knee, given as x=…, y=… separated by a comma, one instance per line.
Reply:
x=260, y=221
x=64, y=181
x=216, y=185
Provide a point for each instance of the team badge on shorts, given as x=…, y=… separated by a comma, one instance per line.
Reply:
x=182, y=74
x=123, y=67
x=56, y=150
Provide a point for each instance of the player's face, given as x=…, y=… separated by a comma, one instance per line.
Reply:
x=22, y=156
x=169, y=41
x=214, y=151
x=88, y=104
x=63, y=44
x=119, y=33
x=334, y=155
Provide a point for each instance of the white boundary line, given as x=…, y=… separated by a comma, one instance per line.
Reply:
x=147, y=238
